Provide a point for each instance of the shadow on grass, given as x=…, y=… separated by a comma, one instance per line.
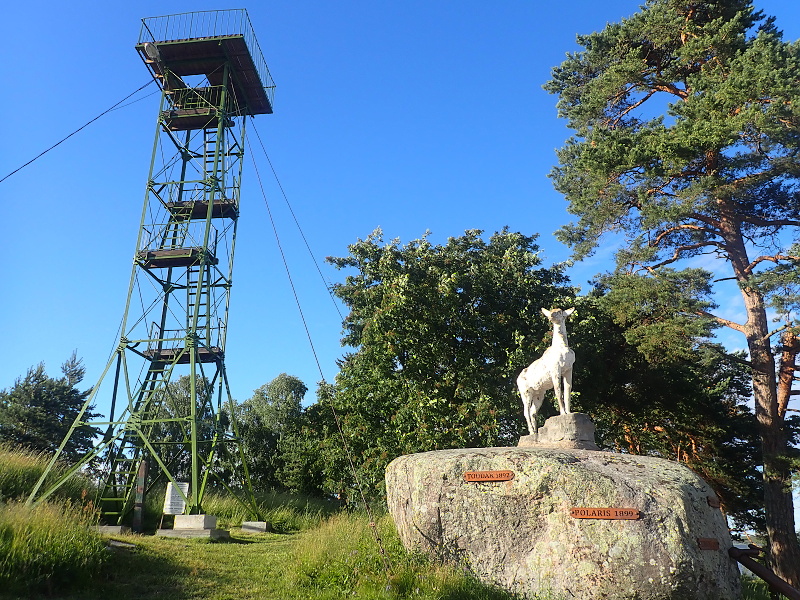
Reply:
x=234, y=540
x=137, y=573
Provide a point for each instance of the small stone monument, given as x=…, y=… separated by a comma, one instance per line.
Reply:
x=574, y=430
x=256, y=527
x=188, y=526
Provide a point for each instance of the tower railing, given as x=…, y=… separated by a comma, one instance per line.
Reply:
x=202, y=98
x=172, y=236
x=209, y=24
x=209, y=336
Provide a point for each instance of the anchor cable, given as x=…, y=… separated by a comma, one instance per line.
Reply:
x=105, y=112
x=286, y=265
x=294, y=217
x=372, y=523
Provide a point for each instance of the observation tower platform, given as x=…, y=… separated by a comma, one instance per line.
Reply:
x=216, y=45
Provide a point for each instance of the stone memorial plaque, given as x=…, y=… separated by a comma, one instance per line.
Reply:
x=488, y=475
x=708, y=543
x=628, y=514
x=174, y=504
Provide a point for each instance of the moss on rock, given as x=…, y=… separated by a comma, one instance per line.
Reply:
x=520, y=534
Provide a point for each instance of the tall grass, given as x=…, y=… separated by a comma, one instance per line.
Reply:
x=20, y=470
x=47, y=547
x=755, y=589
x=285, y=512
x=341, y=558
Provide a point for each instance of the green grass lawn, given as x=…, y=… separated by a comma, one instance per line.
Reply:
x=244, y=568
x=333, y=562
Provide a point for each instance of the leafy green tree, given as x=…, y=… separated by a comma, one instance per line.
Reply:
x=440, y=333
x=687, y=130
x=172, y=435
x=269, y=425
x=38, y=411
x=302, y=466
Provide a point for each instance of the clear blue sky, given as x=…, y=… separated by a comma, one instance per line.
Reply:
x=409, y=115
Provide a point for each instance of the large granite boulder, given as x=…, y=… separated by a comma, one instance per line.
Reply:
x=523, y=535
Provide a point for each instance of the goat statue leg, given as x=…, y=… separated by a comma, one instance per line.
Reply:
x=537, y=400
x=556, y=379
x=525, y=394
x=567, y=377
x=527, y=411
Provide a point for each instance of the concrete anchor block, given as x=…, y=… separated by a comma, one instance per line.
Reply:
x=256, y=526
x=195, y=522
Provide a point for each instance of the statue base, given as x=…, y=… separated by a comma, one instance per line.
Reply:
x=574, y=430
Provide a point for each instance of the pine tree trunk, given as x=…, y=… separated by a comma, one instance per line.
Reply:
x=784, y=549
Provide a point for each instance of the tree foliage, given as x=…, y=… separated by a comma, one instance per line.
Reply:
x=269, y=425
x=690, y=407
x=440, y=333
x=38, y=411
x=687, y=131
x=171, y=433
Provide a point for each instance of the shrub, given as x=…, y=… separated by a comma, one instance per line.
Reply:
x=46, y=547
x=754, y=589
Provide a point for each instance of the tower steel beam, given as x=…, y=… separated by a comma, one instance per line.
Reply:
x=167, y=376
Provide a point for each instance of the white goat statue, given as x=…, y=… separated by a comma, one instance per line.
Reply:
x=553, y=371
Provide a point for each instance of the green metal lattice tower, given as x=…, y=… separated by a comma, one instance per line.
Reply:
x=212, y=76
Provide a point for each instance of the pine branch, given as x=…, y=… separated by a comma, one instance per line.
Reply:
x=671, y=88
x=685, y=248
x=716, y=224
x=732, y=357
x=683, y=227
x=776, y=258
x=620, y=116
x=774, y=331
x=721, y=321
x=739, y=182
x=754, y=220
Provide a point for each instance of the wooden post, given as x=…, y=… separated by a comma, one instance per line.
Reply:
x=138, y=506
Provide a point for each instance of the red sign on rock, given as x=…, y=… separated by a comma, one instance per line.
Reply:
x=488, y=475
x=604, y=513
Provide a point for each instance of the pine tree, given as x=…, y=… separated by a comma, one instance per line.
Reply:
x=687, y=132
x=37, y=412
